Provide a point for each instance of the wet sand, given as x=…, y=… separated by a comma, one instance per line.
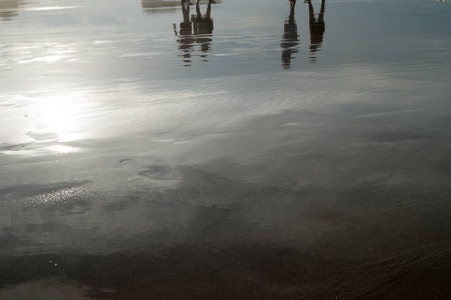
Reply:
x=150, y=150
x=240, y=271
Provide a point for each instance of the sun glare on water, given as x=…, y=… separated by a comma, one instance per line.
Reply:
x=60, y=119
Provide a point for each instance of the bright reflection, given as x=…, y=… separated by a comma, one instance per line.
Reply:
x=47, y=53
x=45, y=59
x=60, y=115
x=60, y=149
x=51, y=8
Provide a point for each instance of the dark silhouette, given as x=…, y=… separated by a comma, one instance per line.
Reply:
x=185, y=34
x=317, y=28
x=195, y=31
x=203, y=27
x=10, y=8
x=290, y=37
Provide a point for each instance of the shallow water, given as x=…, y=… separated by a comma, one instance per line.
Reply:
x=148, y=151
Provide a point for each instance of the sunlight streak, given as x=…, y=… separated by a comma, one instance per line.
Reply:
x=60, y=115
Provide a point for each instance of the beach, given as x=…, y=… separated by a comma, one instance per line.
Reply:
x=225, y=150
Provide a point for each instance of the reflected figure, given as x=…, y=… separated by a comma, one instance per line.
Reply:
x=10, y=8
x=203, y=28
x=186, y=38
x=195, y=31
x=290, y=37
x=317, y=28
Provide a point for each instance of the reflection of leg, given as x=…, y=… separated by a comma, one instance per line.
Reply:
x=291, y=16
x=311, y=15
x=311, y=18
x=197, y=19
x=321, y=12
x=208, y=10
x=185, y=11
x=199, y=14
x=292, y=4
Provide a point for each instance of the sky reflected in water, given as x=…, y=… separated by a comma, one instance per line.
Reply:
x=235, y=148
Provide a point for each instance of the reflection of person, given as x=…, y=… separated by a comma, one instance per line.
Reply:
x=185, y=34
x=198, y=30
x=317, y=28
x=290, y=37
x=203, y=27
x=10, y=8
